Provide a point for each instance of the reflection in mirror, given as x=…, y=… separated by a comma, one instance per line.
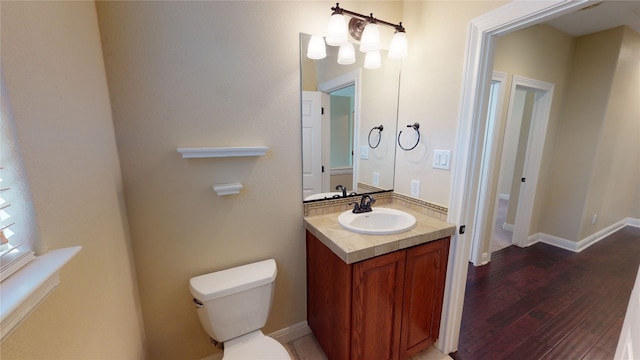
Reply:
x=344, y=146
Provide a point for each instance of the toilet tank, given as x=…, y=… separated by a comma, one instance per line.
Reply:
x=236, y=301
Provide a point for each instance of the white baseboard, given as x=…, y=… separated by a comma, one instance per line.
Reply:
x=586, y=242
x=292, y=332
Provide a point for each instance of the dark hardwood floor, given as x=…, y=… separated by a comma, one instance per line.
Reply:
x=543, y=302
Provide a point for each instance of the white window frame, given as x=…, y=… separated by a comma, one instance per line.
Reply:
x=25, y=280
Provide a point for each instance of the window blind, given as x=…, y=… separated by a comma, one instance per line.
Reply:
x=16, y=214
x=13, y=253
x=5, y=219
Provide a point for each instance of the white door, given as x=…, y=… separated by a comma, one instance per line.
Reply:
x=533, y=156
x=311, y=143
x=629, y=341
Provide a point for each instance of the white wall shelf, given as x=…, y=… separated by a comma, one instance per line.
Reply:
x=214, y=152
x=227, y=188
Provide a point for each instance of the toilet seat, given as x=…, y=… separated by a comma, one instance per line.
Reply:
x=254, y=346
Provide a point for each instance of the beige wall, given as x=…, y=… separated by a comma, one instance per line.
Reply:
x=191, y=74
x=431, y=87
x=589, y=126
x=591, y=79
x=53, y=68
x=542, y=53
x=177, y=79
x=615, y=181
x=595, y=163
x=210, y=74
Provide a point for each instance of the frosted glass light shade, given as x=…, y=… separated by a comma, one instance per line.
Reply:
x=370, y=40
x=398, y=49
x=316, y=49
x=346, y=54
x=337, y=31
x=372, y=60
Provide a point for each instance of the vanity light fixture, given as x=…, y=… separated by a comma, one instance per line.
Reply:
x=398, y=48
x=370, y=40
x=372, y=60
x=316, y=49
x=337, y=29
x=363, y=28
x=346, y=54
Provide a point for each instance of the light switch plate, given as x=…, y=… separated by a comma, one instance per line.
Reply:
x=441, y=159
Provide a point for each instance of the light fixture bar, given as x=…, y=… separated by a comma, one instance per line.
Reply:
x=338, y=10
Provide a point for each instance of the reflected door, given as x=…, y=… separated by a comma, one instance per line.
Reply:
x=311, y=143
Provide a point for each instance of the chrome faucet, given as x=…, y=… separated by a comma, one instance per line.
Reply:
x=364, y=205
x=343, y=189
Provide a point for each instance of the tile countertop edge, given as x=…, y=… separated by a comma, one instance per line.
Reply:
x=353, y=247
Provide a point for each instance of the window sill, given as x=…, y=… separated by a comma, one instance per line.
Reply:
x=23, y=291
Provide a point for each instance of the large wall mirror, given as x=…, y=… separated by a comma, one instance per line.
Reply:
x=349, y=120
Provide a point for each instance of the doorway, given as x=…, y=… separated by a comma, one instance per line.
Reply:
x=465, y=180
x=512, y=166
x=341, y=138
x=519, y=162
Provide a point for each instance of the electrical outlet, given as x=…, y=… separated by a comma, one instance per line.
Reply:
x=415, y=188
x=364, y=152
x=376, y=178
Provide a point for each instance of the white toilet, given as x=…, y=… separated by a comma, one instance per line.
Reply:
x=233, y=305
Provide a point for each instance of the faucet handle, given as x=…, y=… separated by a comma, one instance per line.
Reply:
x=363, y=200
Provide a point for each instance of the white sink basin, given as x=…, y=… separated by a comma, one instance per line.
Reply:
x=380, y=221
x=325, y=195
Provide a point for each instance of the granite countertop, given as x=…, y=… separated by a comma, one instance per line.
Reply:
x=353, y=247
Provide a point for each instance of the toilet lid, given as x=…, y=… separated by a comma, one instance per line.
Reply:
x=263, y=347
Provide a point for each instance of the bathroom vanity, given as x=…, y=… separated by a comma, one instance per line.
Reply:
x=375, y=296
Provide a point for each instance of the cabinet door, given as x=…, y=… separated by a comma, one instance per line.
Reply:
x=425, y=274
x=377, y=307
x=328, y=299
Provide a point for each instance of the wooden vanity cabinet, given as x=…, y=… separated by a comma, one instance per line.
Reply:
x=386, y=307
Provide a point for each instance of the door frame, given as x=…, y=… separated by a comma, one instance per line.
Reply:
x=350, y=78
x=487, y=168
x=493, y=161
x=533, y=157
x=478, y=65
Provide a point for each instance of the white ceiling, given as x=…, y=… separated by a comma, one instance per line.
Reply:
x=600, y=16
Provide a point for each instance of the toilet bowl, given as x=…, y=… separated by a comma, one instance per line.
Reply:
x=254, y=345
x=234, y=304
